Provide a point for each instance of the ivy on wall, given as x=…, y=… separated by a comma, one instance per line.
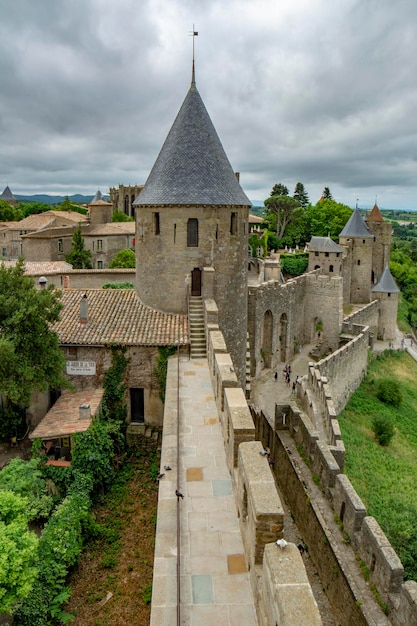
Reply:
x=161, y=368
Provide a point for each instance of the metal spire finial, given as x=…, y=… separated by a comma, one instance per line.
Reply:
x=193, y=34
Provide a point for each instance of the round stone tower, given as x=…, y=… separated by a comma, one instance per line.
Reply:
x=386, y=291
x=357, y=262
x=192, y=215
x=382, y=232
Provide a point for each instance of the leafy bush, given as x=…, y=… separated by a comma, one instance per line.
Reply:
x=388, y=391
x=116, y=285
x=383, y=429
x=161, y=368
x=294, y=264
x=25, y=479
x=18, y=551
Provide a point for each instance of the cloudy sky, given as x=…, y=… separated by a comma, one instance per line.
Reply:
x=318, y=91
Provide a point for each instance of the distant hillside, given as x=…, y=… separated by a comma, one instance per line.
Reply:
x=42, y=197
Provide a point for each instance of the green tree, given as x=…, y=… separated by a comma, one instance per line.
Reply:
x=79, y=256
x=30, y=356
x=327, y=194
x=31, y=208
x=18, y=551
x=281, y=209
x=301, y=195
x=124, y=259
x=66, y=204
x=9, y=213
x=327, y=218
x=120, y=216
x=279, y=190
x=116, y=285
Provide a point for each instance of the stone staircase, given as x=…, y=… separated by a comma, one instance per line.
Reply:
x=137, y=434
x=197, y=335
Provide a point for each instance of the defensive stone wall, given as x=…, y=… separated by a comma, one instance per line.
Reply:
x=87, y=279
x=293, y=310
x=345, y=368
x=365, y=316
x=363, y=532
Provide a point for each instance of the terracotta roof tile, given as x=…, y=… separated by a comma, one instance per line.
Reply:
x=63, y=418
x=117, y=316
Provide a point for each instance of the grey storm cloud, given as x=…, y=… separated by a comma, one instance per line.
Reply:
x=320, y=92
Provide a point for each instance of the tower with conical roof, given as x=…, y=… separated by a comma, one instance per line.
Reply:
x=382, y=233
x=8, y=196
x=191, y=219
x=357, y=262
x=387, y=292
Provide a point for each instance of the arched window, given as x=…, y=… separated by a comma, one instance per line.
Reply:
x=192, y=232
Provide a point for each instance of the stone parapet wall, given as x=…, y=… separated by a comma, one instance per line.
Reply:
x=345, y=368
x=366, y=316
x=286, y=595
x=364, y=533
x=259, y=506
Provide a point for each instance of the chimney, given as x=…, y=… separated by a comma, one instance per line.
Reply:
x=85, y=412
x=84, y=309
x=66, y=282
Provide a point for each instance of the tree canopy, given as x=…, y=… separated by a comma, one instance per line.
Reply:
x=123, y=259
x=279, y=190
x=280, y=211
x=30, y=356
x=9, y=213
x=120, y=216
x=327, y=194
x=79, y=256
x=327, y=218
x=301, y=195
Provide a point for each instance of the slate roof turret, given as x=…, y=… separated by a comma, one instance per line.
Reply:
x=355, y=227
x=386, y=283
x=192, y=167
x=7, y=194
x=323, y=244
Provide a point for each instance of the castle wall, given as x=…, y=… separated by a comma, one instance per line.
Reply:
x=295, y=307
x=359, y=261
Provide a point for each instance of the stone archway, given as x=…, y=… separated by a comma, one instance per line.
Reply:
x=283, y=324
x=267, y=339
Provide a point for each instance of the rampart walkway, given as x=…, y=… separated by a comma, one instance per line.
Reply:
x=214, y=584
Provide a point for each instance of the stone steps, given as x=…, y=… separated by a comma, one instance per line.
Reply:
x=137, y=433
x=197, y=331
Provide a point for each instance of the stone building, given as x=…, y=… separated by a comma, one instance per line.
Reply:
x=192, y=220
x=357, y=263
x=123, y=197
x=382, y=232
x=325, y=255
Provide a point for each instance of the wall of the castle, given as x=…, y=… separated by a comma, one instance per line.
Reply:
x=123, y=196
x=289, y=313
x=165, y=263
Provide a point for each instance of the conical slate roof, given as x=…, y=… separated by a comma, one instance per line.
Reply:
x=192, y=167
x=7, y=194
x=386, y=283
x=355, y=227
x=98, y=196
x=323, y=244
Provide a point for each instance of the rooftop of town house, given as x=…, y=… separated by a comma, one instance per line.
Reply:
x=63, y=418
x=47, y=218
x=109, y=228
x=255, y=219
x=192, y=167
x=323, y=244
x=117, y=316
x=42, y=267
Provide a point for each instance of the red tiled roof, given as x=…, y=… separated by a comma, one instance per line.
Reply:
x=375, y=215
x=117, y=316
x=63, y=419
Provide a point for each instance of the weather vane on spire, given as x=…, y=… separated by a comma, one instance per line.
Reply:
x=193, y=34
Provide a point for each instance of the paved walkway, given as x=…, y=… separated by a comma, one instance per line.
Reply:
x=215, y=587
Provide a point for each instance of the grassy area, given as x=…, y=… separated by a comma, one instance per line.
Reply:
x=386, y=477
x=112, y=583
